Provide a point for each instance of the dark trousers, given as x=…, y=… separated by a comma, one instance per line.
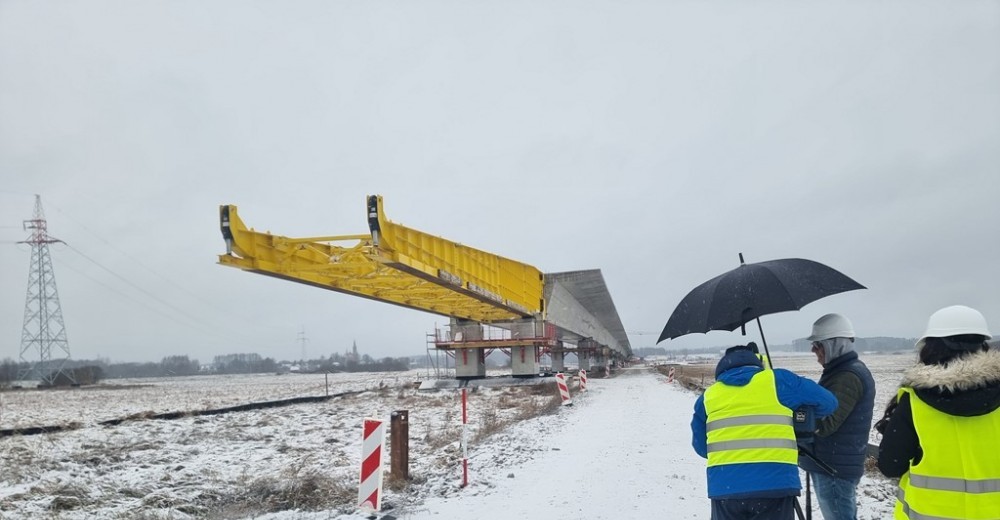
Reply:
x=754, y=509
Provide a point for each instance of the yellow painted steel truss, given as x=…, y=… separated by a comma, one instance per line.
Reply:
x=394, y=264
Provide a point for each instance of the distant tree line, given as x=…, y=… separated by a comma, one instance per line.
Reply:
x=873, y=344
x=91, y=371
x=242, y=364
x=8, y=372
x=70, y=374
x=649, y=351
x=337, y=362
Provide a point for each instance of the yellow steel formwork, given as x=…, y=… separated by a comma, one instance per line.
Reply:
x=394, y=264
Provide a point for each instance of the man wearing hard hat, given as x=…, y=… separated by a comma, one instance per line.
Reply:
x=841, y=440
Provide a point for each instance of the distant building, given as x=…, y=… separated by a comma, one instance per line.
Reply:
x=351, y=356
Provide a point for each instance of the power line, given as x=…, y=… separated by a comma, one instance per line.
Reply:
x=139, y=263
x=136, y=287
x=127, y=297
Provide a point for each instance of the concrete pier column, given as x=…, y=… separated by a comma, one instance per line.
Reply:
x=558, y=359
x=600, y=364
x=470, y=363
x=583, y=358
x=523, y=362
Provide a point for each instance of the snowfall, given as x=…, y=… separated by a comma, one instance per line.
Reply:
x=622, y=449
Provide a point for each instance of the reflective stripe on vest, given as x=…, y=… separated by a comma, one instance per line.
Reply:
x=747, y=424
x=755, y=443
x=745, y=421
x=903, y=510
x=991, y=485
x=958, y=476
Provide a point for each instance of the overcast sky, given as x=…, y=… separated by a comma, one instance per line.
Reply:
x=651, y=140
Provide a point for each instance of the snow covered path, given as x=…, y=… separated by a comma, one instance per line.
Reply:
x=622, y=451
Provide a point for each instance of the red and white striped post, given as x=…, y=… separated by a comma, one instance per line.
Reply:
x=583, y=380
x=465, y=444
x=670, y=375
x=370, y=489
x=563, y=389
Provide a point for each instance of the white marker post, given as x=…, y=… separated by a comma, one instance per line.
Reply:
x=563, y=389
x=465, y=444
x=372, y=441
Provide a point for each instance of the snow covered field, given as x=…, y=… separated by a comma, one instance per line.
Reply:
x=622, y=451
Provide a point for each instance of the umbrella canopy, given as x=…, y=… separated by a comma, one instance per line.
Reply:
x=750, y=291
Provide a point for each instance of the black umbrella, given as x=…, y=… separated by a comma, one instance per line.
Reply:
x=750, y=291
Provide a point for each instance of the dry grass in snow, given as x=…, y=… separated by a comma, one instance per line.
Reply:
x=299, y=458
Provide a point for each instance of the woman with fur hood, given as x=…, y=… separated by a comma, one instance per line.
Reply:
x=939, y=434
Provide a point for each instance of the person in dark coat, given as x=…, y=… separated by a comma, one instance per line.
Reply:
x=743, y=425
x=841, y=440
x=940, y=431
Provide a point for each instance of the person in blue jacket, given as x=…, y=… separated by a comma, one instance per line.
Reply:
x=743, y=425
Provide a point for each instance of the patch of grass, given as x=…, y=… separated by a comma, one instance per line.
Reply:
x=548, y=388
x=19, y=463
x=871, y=465
x=490, y=423
x=692, y=377
x=148, y=515
x=132, y=492
x=437, y=439
x=65, y=496
x=399, y=485
x=530, y=408
x=509, y=400
x=307, y=491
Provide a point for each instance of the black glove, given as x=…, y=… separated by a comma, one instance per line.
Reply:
x=883, y=423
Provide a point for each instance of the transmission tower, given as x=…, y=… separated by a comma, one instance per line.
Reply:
x=44, y=347
x=303, y=340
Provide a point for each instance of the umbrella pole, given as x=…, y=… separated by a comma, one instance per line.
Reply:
x=809, y=509
x=764, y=341
x=798, y=509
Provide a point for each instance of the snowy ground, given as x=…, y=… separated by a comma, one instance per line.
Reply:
x=621, y=451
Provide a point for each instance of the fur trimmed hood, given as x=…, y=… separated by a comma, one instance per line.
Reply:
x=969, y=386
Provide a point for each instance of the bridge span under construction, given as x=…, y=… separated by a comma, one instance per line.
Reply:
x=537, y=313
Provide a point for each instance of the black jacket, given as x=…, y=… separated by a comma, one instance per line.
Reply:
x=966, y=387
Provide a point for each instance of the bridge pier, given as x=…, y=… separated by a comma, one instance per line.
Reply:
x=523, y=361
x=470, y=363
x=558, y=358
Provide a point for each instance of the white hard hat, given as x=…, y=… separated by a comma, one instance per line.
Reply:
x=954, y=321
x=831, y=326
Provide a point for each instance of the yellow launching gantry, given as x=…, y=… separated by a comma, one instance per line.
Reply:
x=393, y=264
x=400, y=265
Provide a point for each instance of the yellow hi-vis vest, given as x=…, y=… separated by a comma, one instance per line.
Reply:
x=748, y=424
x=958, y=476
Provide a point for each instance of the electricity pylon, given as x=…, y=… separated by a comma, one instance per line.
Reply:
x=44, y=330
x=303, y=340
